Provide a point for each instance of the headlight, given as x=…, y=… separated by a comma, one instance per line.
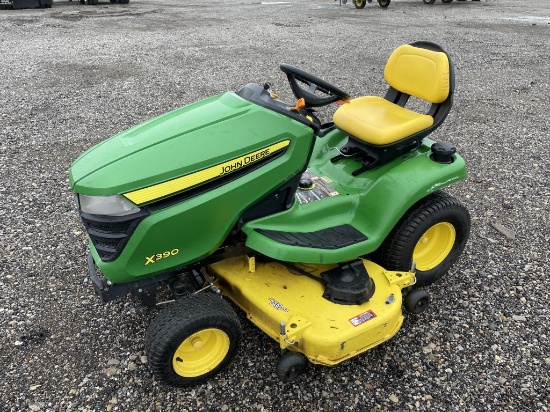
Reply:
x=115, y=205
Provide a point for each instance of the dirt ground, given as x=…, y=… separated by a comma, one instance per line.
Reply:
x=74, y=75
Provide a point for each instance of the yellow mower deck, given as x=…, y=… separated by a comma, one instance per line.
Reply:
x=273, y=294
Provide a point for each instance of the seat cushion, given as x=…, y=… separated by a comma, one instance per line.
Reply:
x=377, y=121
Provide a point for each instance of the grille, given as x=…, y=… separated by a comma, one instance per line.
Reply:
x=109, y=234
x=109, y=227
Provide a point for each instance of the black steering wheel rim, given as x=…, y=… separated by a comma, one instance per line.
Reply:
x=314, y=83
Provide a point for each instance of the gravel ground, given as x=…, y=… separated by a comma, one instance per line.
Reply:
x=74, y=75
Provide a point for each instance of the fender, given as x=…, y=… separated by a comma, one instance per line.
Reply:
x=371, y=203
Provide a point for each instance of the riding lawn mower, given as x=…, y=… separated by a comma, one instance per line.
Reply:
x=321, y=232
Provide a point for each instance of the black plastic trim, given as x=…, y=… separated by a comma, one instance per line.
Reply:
x=144, y=288
x=109, y=234
x=255, y=93
x=331, y=238
x=348, y=284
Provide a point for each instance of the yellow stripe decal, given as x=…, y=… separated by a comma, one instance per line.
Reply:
x=173, y=186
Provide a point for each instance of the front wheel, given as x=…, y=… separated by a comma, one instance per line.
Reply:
x=384, y=3
x=193, y=339
x=433, y=233
x=429, y=1
x=446, y=1
x=359, y=4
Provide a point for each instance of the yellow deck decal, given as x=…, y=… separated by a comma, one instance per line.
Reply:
x=173, y=186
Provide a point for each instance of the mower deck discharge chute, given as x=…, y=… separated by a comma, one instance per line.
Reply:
x=319, y=232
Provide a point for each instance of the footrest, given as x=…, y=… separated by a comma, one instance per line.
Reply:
x=331, y=238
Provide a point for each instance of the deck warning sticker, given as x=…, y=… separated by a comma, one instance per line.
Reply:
x=362, y=318
x=320, y=189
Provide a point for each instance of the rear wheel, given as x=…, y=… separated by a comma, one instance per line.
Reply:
x=446, y=1
x=384, y=3
x=429, y=1
x=359, y=4
x=192, y=340
x=433, y=233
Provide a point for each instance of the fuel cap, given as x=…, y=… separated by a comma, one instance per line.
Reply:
x=442, y=152
x=306, y=184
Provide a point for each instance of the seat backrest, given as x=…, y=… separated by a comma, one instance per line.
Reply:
x=420, y=72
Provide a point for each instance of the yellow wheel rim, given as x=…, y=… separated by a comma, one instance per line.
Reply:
x=200, y=353
x=434, y=246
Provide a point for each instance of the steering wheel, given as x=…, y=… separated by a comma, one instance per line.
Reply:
x=313, y=83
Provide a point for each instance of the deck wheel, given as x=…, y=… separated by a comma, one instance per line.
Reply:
x=290, y=366
x=416, y=301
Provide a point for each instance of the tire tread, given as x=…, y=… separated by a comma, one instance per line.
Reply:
x=395, y=250
x=165, y=328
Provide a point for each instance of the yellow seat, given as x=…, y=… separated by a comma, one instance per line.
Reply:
x=375, y=120
x=420, y=69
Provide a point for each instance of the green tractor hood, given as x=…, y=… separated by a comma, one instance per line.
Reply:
x=178, y=143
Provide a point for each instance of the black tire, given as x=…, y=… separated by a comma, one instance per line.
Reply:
x=434, y=252
x=384, y=3
x=359, y=4
x=202, y=328
x=291, y=366
x=429, y=1
x=446, y=1
x=416, y=301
